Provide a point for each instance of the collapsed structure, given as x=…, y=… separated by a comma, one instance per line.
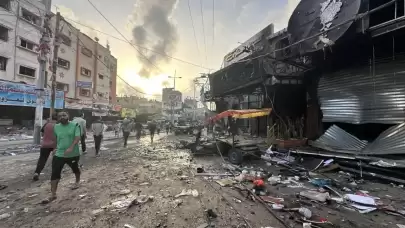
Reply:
x=338, y=66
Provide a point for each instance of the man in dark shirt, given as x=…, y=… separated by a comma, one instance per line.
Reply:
x=138, y=130
x=152, y=128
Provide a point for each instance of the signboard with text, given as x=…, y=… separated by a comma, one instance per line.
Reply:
x=18, y=94
x=248, y=47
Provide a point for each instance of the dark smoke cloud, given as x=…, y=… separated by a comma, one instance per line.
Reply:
x=154, y=26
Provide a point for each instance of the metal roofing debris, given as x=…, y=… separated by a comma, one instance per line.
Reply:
x=391, y=141
x=337, y=140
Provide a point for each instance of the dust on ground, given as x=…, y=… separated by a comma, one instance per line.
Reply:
x=151, y=174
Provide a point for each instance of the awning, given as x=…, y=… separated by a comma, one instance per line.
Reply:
x=242, y=114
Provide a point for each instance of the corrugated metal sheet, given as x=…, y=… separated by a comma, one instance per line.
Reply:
x=356, y=96
x=391, y=141
x=336, y=139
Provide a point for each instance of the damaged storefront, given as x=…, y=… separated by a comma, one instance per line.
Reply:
x=257, y=80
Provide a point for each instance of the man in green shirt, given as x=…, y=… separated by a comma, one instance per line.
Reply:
x=67, y=151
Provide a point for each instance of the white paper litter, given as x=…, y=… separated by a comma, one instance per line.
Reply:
x=360, y=199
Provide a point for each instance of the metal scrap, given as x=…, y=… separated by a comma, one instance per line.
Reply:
x=338, y=140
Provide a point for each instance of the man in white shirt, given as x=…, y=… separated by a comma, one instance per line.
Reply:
x=82, y=123
x=98, y=129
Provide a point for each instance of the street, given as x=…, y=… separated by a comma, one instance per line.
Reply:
x=159, y=171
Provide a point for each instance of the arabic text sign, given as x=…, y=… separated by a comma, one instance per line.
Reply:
x=83, y=84
x=17, y=94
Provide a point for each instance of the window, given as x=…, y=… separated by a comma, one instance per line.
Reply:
x=63, y=63
x=27, y=71
x=66, y=40
x=27, y=44
x=100, y=76
x=3, y=63
x=111, y=83
x=30, y=17
x=85, y=72
x=100, y=94
x=5, y=4
x=3, y=33
x=106, y=60
x=87, y=52
x=84, y=92
x=62, y=87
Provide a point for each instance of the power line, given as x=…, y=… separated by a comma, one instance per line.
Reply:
x=151, y=50
x=140, y=53
x=213, y=22
x=203, y=28
x=127, y=41
x=93, y=55
x=192, y=24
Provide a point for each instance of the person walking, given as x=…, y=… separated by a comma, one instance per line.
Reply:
x=126, y=127
x=117, y=129
x=167, y=128
x=48, y=144
x=83, y=134
x=138, y=130
x=98, y=129
x=67, y=135
x=152, y=129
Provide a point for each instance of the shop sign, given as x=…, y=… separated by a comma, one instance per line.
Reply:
x=83, y=84
x=248, y=47
x=17, y=94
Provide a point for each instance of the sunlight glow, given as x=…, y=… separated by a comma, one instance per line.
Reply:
x=151, y=86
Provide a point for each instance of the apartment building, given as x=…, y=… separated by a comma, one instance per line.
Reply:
x=113, y=79
x=102, y=83
x=20, y=31
x=86, y=70
x=67, y=56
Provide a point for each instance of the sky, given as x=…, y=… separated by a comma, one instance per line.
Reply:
x=167, y=27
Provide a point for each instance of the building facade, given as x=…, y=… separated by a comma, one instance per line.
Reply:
x=86, y=70
x=20, y=31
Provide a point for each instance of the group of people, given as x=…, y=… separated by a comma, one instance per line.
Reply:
x=61, y=137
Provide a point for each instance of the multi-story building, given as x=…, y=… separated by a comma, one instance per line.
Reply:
x=67, y=56
x=86, y=70
x=113, y=78
x=20, y=31
x=101, y=87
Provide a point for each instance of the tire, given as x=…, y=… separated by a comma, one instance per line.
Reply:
x=235, y=156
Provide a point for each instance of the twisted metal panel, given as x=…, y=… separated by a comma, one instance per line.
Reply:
x=356, y=96
x=391, y=141
x=336, y=139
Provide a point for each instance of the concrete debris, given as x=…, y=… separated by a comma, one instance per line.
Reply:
x=97, y=212
x=125, y=192
x=5, y=215
x=128, y=226
x=313, y=195
x=189, y=192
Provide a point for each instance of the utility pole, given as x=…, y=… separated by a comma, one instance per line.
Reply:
x=44, y=49
x=171, y=101
x=56, y=44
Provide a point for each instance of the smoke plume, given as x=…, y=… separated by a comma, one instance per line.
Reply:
x=155, y=31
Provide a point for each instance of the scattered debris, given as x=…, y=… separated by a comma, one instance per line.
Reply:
x=189, y=192
x=5, y=215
